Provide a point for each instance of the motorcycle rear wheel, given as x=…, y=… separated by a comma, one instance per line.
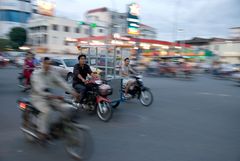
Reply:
x=30, y=126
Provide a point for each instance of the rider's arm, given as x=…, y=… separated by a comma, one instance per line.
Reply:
x=132, y=71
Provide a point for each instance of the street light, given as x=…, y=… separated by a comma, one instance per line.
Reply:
x=182, y=43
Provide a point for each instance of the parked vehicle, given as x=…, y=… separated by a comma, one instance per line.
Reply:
x=19, y=59
x=64, y=65
x=236, y=77
x=4, y=60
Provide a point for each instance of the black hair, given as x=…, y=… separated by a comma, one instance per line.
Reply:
x=29, y=53
x=126, y=59
x=82, y=55
x=46, y=58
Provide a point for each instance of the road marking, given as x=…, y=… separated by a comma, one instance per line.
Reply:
x=19, y=151
x=214, y=94
x=205, y=93
x=224, y=95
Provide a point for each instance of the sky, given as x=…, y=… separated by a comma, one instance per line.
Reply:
x=194, y=18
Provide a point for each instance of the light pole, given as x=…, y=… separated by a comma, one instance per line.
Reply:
x=182, y=43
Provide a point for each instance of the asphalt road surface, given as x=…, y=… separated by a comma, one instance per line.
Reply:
x=195, y=120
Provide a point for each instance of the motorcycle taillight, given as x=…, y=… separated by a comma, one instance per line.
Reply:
x=22, y=105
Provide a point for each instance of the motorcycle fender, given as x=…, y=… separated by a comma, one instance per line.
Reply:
x=100, y=98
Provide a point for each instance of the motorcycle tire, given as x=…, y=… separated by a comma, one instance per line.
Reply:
x=79, y=143
x=143, y=99
x=104, y=111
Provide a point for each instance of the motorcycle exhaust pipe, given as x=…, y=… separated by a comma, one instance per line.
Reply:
x=29, y=132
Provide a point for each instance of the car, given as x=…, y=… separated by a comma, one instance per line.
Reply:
x=236, y=77
x=237, y=66
x=65, y=64
x=3, y=60
x=206, y=67
x=228, y=68
x=19, y=59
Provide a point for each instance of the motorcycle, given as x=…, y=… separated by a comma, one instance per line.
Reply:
x=76, y=137
x=137, y=90
x=95, y=100
x=21, y=81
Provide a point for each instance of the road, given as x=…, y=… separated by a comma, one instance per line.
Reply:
x=189, y=121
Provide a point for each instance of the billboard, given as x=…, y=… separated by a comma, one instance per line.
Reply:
x=45, y=8
x=133, y=22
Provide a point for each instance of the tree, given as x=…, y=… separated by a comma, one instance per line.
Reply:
x=18, y=35
x=6, y=44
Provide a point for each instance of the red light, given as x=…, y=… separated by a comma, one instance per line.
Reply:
x=22, y=105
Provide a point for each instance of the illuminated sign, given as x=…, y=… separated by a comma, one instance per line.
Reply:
x=133, y=19
x=45, y=8
x=134, y=9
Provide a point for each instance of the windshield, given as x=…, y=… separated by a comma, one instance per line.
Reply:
x=70, y=62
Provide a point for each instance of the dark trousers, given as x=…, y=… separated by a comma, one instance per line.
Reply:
x=81, y=89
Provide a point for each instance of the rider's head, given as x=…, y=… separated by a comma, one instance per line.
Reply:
x=82, y=59
x=29, y=55
x=46, y=63
x=126, y=61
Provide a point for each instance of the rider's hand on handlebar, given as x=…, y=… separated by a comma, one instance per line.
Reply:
x=84, y=81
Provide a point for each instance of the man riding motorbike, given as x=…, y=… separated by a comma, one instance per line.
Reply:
x=80, y=72
x=125, y=72
x=41, y=97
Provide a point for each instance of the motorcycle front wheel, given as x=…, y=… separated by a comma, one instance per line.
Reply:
x=79, y=143
x=104, y=111
x=146, y=97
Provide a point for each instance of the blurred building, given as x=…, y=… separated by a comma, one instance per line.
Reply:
x=14, y=13
x=147, y=32
x=110, y=22
x=235, y=32
x=200, y=43
x=227, y=50
x=48, y=34
x=107, y=21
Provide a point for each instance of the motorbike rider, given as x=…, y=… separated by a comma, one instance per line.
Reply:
x=80, y=72
x=28, y=67
x=42, y=81
x=125, y=72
